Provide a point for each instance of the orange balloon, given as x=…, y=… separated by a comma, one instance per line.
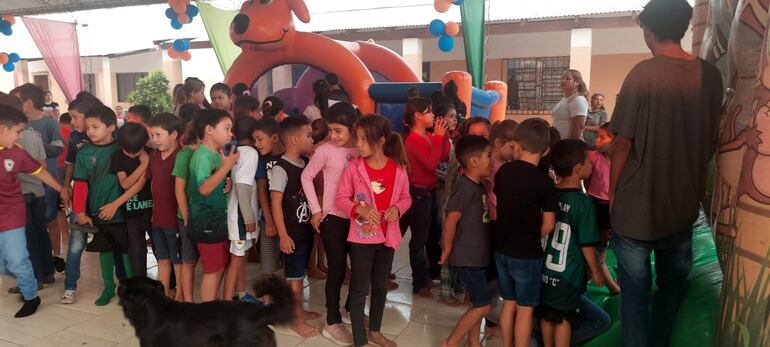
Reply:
x=3, y=58
x=173, y=53
x=10, y=19
x=442, y=5
x=179, y=6
x=452, y=28
x=184, y=18
x=186, y=55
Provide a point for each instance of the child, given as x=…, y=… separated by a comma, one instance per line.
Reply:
x=14, y=257
x=272, y=107
x=209, y=166
x=564, y=266
x=184, y=188
x=270, y=149
x=425, y=151
x=97, y=197
x=139, y=114
x=331, y=159
x=242, y=211
x=65, y=122
x=598, y=189
x=221, y=97
x=130, y=165
x=374, y=192
x=501, y=138
x=246, y=105
x=317, y=267
x=467, y=244
x=526, y=211
x=291, y=213
x=164, y=131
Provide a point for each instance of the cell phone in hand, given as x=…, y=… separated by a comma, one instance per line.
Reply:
x=231, y=146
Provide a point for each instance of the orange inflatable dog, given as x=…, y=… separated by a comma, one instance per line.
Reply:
x=265, y=32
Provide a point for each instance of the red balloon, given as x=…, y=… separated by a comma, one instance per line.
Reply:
x=173, y=53
x=186, y=55
x=4, y=58
x=442, y=5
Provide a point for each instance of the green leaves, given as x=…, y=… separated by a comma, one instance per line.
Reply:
x=152, y=91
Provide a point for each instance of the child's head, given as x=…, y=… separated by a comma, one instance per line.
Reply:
x=531, y=136
x=474, y=154
x=332, y=79
x=48, y=96
x=78, y=109
x=243, y=128
x=321, y=90
x=341, y=120
x=272, y=107
x=214, y=125
x=417, y=113
x=447, y=111
x=190, y=133
x=241, y=89
x=296, y=135
x=186, y=112
x=320, y=130
x=597, y=101
x=265, y=135
x=101, y=122
x=475, y=126
x=604, y=138
x=374, y=134
x=501, y=137
x=246, y=105
x=132, y=138
x=65, y=120
x=165, y=129
x=221, y=96
x=569, y=158
x=140, y=114
x=12, y=122
x=31, y=96
x=193, y=91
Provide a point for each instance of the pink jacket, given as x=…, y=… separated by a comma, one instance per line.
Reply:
x=355, y=189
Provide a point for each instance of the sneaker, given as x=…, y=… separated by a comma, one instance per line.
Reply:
x=59, y=264
x=338, y=334
x=346, y=318
x=29, y=308
x=68, y=297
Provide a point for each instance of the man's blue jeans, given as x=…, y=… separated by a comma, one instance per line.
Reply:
x=593, y=322
x=673, y=259
x=14, y=260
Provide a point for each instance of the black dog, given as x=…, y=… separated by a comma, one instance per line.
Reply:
x=162, y=322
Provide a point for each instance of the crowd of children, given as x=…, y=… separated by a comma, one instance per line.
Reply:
x=495, y=210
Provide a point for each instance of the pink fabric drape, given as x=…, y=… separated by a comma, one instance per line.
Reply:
x=58, y=43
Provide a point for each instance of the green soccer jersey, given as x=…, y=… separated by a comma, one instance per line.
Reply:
x=182, y=170
x=211, y=208
x=564, y=268
x=93, y=167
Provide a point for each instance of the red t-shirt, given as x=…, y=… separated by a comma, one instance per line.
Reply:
x=65, y=136
x=382, y=181
x=15, y=160
x=164, y=205
x=424, y=155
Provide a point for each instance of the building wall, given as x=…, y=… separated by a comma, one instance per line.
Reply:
x=609, y=71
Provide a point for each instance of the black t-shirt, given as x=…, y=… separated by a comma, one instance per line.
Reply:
x=141, y=202
x=523, y=193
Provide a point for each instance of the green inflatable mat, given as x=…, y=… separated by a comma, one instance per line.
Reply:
x=698, y=316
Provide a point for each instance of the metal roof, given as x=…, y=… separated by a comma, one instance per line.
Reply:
x=32, y=7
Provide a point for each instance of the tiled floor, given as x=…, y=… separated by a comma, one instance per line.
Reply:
x=410, y=320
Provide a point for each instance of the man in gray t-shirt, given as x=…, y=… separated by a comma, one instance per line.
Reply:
x=665, y=122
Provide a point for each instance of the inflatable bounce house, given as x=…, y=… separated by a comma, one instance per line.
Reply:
x=268, y=38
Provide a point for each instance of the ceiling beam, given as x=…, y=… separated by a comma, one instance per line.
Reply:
x=33, y=8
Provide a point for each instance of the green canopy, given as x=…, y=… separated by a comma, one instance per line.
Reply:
x=217, y=23
x=473, y=34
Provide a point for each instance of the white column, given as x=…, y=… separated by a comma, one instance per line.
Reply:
x=412, y=53
x=172, y=68
x=580, y=52
x=107, y=92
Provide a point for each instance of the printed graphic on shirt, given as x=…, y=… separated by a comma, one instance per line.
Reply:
x=269, y=169
x=8, y=163
x=377, y=187
x=366, y=229
x=485, y=218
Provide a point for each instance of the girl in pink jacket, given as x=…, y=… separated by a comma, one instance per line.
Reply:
x=374, y=191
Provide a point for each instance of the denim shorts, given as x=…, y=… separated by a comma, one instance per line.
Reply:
x=295, y=264
x=519, y=279
x=187, y=250
x=474, y=280
x=166, y=244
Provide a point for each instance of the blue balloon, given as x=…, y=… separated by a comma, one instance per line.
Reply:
x=192, y=11
x=9, y=67
x=458, y=2
x=446, y=43
x=4, y=25
x=437, y=27
x=175, y=24
x=170, y=14
x=181, y=45
x=8, y=32
x=14, y=57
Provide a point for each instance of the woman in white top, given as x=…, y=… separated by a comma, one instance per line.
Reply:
x=569, y=115
x=321, y=101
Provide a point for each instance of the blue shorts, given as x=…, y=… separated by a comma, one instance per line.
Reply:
x=519, y=279
x=474, y=280
x=166, y=244
x=295, y=264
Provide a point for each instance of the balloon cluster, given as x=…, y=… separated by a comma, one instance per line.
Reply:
x=8, y=59
x=445, y=31
x=180, y=12
x=180, y=49
x=5, y=25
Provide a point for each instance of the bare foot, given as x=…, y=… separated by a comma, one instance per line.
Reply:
x=376, y=338
x=316, y=273
x=304, y=329
x=493, y=331
x=309, y=315
x=453, y=302
x=447, y=344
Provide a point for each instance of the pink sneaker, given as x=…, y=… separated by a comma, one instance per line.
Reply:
x=338, y=334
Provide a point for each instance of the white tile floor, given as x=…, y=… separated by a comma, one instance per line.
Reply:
x=410, y=320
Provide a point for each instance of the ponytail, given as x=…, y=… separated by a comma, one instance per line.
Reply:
x=271, y=107
x=322, y=91
x=377, y=127
x=582, y=88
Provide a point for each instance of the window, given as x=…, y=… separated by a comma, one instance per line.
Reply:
x=89, y=83
x=533, y=84
x=127, y=83
x=41, y=81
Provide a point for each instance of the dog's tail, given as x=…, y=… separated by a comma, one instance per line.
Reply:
x=281, y=307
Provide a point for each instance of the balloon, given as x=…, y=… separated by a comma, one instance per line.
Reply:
x=10, y=19
x=174, y=54
x=175, y=24
x=458, y=2
x=192, y=10
x=14, y=57
x=4, y=25
x=4, y=58
x=170, y=14
x=184, y=18
x=186, y=55
x=442, y=5
x=452, y=28
x=437, y=27
x=446, y=43
x=8, y=32
x=181, y=45
x=9, y=67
